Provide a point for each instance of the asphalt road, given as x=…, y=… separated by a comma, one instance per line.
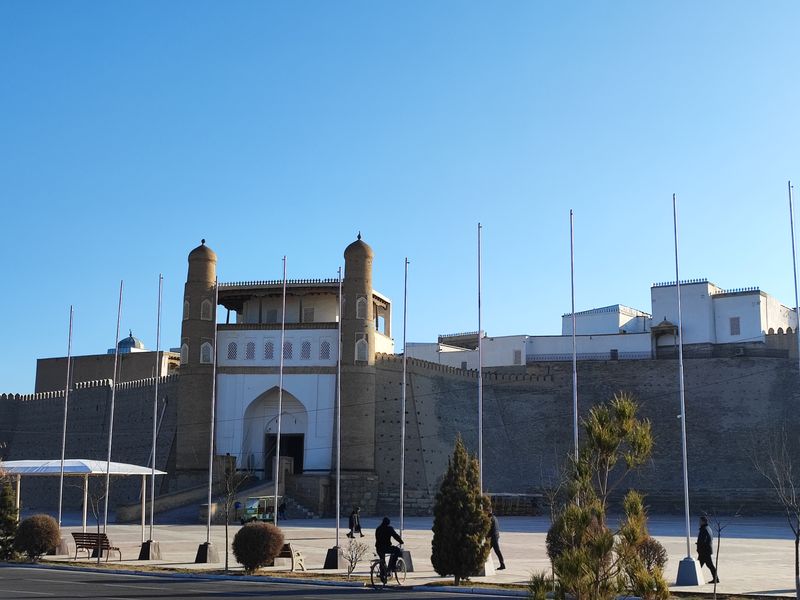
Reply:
x=26, y=582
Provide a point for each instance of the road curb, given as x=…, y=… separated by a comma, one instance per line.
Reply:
x=470, y=590
x=252, y=578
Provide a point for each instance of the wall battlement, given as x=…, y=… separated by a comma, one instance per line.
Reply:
x=86, y=385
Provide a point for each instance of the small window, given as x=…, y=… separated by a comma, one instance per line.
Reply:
x=232, y=351
x=185, y=309
x=205, y=310
x=206, y=356
x=287, y=350
x=269, y=350
x=735, y=327
x=250, y=351
x=325, y=350
x=362, y=350
x=464, y=365
x=308, y=314
x=517, y=357
x=361, y=308
x=305, y=350
x=184, y=353
x=271, y=316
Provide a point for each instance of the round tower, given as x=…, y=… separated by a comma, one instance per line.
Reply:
x=197, y=356
x=358, y=359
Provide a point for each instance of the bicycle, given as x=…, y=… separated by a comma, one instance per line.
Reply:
x=378, y=572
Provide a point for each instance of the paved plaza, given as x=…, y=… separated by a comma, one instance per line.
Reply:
x=756, y=555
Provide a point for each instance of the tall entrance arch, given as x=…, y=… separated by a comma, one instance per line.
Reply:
x=260, y=429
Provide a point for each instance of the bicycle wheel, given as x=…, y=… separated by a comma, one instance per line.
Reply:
x=375, y=574
x=400, y=571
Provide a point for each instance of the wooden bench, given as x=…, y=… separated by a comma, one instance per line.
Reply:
x=93, y=542
x=288, y=551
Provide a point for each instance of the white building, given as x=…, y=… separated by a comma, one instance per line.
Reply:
x=711, y=316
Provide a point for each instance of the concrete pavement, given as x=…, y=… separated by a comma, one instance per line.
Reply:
x=756, y=554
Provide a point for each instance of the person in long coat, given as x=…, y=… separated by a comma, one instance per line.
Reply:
x=705, y=548
x=355, y=523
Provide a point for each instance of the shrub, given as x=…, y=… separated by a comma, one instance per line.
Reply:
x=36, y=536
x=653, y=554
x=8, y=521
x=256, y=545
x=541, y=584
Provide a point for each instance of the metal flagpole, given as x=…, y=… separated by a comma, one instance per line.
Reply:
x=680, y=376
x=64, y=428
x=111, y=416
x=794, y=267
x=155, y=407
x=574, y=334
x=339, y=417
x=280, y=397
x=213, y=414
x=480, y=372
x=403, y=402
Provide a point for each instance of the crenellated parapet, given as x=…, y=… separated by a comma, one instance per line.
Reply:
x=394, y=360
x=88, y=385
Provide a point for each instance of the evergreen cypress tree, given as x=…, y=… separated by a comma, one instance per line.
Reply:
x=8, y=521
x=460, y=519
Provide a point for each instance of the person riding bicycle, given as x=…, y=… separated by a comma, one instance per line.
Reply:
x=383, y=543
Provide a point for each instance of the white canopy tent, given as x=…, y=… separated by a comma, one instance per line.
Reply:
x=75, y=467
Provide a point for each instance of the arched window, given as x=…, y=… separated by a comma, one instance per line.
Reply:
x=206, y=356
x=269, y=350
x=232, y=351
x=788, y=330
x=780, y=330
x=184, y=353
x=205, y=310
x=305, y=350
x=185, y=309
x=287, y=350
x=250, y=351
x=325, y=350
x=361, y=308
x=771, y=331
x=362, y=350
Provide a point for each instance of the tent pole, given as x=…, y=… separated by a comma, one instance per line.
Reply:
x=144, y=494
x=85, y=499
x=19, y=485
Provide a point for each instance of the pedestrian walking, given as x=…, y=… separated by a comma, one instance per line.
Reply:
x=355, y=523
x=494, y=537
x=705, y=548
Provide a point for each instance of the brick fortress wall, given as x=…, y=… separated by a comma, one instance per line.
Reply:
x=35, y=422
x=732, y=405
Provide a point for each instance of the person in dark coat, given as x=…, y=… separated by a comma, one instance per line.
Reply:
x=494, y=537
x=383, y=543
x=355, y=523
x=705, y=548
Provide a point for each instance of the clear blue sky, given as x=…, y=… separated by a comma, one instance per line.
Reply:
x=128, y=131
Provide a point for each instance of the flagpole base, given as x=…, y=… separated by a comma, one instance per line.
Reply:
x=150, y=550
x=334, y=559
x=206, y=553
x=406, y=556
x=689, y=572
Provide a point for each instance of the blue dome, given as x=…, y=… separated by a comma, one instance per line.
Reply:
x=130, y=342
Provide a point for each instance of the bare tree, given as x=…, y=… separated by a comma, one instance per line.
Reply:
x=353, y=553
x=776, y=465
x=232, y=481
x=719, y=524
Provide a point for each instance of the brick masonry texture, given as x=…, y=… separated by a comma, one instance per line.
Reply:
x=733, y=406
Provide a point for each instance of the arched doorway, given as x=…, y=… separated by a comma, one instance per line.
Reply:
x=260, y=429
